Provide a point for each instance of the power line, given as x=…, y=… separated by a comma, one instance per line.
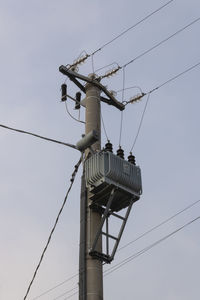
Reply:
x=54, y=226
x=137, y=254
x=82, y=59
x=67, y=292
x=77, y=120
x=126, y=245
x=175, y=77
x=54, y=287
x=71, y=295
x=160, y=43
x=38, y=136
x=140, y=125
x=133, y=26
x=159, y=225
x=104, y=127
x=121, y=120
x=162, y=84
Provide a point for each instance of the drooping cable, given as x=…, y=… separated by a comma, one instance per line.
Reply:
x=121, y=120
x=144, y=250
x=77, y=120
x=133, y=26
x=38, y=136
x=54, y=227
x=141, y=121
x=162, y=42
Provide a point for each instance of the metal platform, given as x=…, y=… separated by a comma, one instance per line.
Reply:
x=114, y=184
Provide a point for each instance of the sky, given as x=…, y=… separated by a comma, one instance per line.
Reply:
x=36, y=38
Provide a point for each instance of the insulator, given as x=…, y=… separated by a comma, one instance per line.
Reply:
x=64, y=92
x=120, y=152
x=108, y=147
x=78, y=100
x=131, y=159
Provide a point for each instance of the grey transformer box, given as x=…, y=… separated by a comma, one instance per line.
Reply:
x=105, y=171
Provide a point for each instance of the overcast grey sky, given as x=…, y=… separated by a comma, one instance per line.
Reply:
x=36, y=38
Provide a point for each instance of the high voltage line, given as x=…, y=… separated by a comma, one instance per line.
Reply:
x=161, y=42
x=126, y=245
x=133, y=26
x=86, y=56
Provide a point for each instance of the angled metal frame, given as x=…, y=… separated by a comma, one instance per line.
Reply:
x=107, y=212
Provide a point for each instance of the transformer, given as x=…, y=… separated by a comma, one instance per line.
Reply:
x=105, y=171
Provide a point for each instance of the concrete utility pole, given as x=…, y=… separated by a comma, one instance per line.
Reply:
x=91, y=255
x=94, y=276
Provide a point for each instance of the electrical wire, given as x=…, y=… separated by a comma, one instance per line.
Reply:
x=71, y=295
x=121, y=120
x=140, y=124
x=121, y=34
x=54, y=226
x=77, y=120
x=129, y=88
x=159, y=225
x=175, y=77
x=114, y=63
x=165, y=82
x=137, y=254
x=67, y=292
x=133, y=26
x=104, y=127
x=162, y=42
x=54, y=287
x=126, y=245
x=38, y=136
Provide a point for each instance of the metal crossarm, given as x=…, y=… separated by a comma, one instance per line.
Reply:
x=73, y=76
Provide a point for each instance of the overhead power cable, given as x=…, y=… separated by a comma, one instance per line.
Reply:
x=174, y=78
x=133, y=26
x=54, y=226
x=144, y=250
x=140, y=124
x=67, y=292
x=55, y=287
x=148, y=93
x=83, y=58
x=38, y=136
x=126, y=245
x=159, y=225
x=161, y=42
x=160, y=85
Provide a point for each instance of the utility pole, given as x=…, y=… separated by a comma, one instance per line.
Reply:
x=101, y=197
x=94, y=277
